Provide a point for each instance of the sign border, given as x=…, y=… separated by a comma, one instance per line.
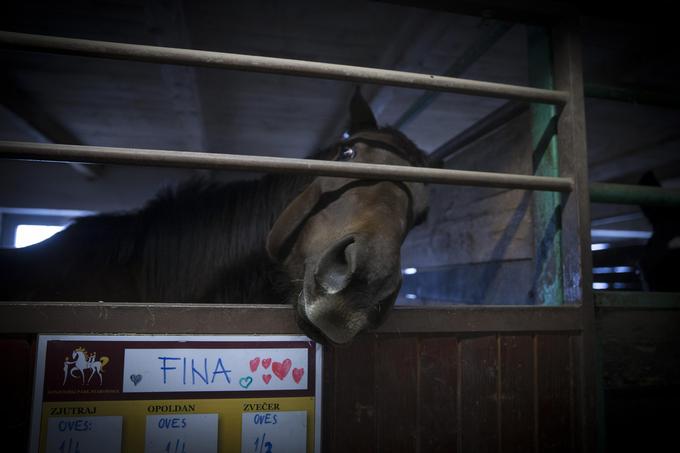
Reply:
x=41, y=351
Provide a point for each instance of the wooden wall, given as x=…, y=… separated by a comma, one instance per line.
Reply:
x=453, y=393
x=16, y=382
x=488, y=228
x=640, y=357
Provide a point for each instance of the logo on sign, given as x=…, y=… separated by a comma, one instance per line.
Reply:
x=82, y=363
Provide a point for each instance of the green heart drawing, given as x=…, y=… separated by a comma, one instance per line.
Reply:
x=245, y=382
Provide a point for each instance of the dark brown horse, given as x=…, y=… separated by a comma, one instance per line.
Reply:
x=330, y=246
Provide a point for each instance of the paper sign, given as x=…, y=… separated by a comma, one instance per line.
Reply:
x=214, y=370
x=181, y=433
x=268, y=432
x=81, y=434
x=177, y=394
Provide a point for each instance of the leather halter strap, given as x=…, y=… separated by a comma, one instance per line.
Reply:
x=327, y=196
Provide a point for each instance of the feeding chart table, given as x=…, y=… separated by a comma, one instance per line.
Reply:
x=176, y=394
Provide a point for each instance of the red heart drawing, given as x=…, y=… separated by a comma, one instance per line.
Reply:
x=266, y=378
x=297, y=374
x=254, y=363
x=281, y=369
x=266, y=362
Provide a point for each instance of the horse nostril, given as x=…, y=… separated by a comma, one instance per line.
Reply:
x=336, y=266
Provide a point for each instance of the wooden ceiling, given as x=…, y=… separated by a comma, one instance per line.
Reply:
x=116, y=103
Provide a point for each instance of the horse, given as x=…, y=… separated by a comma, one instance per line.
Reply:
x=82, y=362
x=653, y=263
x=329, y=246
x=660, y=256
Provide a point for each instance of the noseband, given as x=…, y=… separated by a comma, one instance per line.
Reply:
x=330, y=194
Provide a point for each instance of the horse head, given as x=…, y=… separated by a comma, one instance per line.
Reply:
x=340, y=239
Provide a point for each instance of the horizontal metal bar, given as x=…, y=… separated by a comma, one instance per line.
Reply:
x=633, y=194
x=486, y=39
x=637, y=300
x=641, y=97
x=252, y=63
x=99, y=317
x=151, y=157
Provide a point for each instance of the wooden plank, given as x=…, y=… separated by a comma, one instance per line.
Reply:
x=328, y=399
x=554, y=389
x=500, y=220
x=618, y=300
x=15, y=380
x=577, y=396
x=354, y=397
x=438, y=390
x=640, y=348
x=490, y=283
x=576, y=253
x=103, y=317
x=516, y=409
x=396, y=394
x=479, y=394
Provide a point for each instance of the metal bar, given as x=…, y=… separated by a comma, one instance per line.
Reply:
x=601, y=192
x=102, y=317
x=628, y=217
x=252, y=63
x=163, y=158
x=547, y=212
x=667, y=99
x=481, y=128
x=40, y=123
x=637, y=300
x=483, y=43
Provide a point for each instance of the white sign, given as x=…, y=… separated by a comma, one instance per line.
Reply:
x=157, y=393
x=181, y=433
x=269, y=432
x=84, y=434
x=214, y=370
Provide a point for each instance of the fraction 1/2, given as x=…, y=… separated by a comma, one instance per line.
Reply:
x=71, y=447
x=178, y=447
x=260, y=444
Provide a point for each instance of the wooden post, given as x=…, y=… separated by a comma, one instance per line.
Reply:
x=577, y=259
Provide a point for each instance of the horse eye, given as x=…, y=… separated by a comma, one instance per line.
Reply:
x=347, y=153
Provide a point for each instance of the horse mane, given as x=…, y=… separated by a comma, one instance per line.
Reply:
x=201, y=241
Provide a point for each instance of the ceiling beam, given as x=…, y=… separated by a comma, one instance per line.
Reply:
x=166, y=22
x=41, y=125
x=483, y=42
x=417, y=34
x=496, y=119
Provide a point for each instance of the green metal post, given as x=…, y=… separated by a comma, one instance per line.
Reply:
x=547, y=208
x=601, y=192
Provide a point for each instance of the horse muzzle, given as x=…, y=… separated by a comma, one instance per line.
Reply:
x=347, y=289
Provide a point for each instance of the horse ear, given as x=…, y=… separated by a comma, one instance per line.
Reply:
x=360, y=114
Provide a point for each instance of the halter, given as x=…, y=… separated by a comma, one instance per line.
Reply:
x=331, y=191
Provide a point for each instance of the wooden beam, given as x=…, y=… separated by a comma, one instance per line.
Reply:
x=416, y=35
x=41, y=125
x=637, y=300
x=483, y=42
x=105, y=317
x=498, y=118
x=167, y=23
